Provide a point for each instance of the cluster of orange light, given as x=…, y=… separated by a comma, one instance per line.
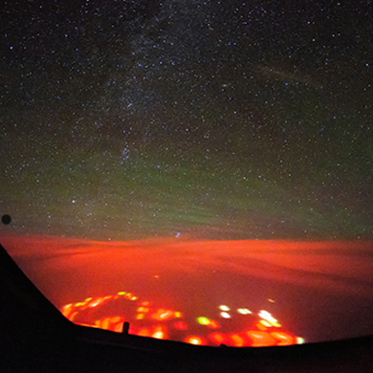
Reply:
x=265, y=332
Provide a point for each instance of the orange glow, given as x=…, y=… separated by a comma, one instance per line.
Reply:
x=113, y=323
x=143, y=309
x=144, y=332
x=265, y=323
x=289, y=263
x=260, y=326
x=162, y=314
x=217, y=338
x=283, y=338
x=260, y=339
x=159, y=332
x=72, y=316
x=213, y=324
x=237, y=340
x=194, y=340
x=66, y=310
x=180, y=325
x=256, y=338
x=118, y=328
x=95, y=302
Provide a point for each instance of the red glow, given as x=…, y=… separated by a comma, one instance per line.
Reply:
x=103, y=267
x=217, y=338
x=180, y=325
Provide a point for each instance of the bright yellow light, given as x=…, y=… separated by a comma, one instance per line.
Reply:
x=244, y=311
x=140, y=316
x=178, y=314
x=159, y=333
x=224, y=308
x=203, y=320
x=95, y=303
x=225, y=315
x=121, y=292
x=271, y=300
x=194, y=340
x=300, y=340
x=266, y=323
x=267, y=316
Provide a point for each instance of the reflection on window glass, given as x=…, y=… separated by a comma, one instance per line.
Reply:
x=199, y=169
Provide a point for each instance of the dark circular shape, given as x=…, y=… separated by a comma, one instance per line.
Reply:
x=6, y=219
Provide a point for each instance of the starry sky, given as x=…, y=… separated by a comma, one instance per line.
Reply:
x=196, y=119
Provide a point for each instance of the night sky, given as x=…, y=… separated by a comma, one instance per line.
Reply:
x=197, y=119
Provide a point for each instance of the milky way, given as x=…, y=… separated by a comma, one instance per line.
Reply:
x=209, y=119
